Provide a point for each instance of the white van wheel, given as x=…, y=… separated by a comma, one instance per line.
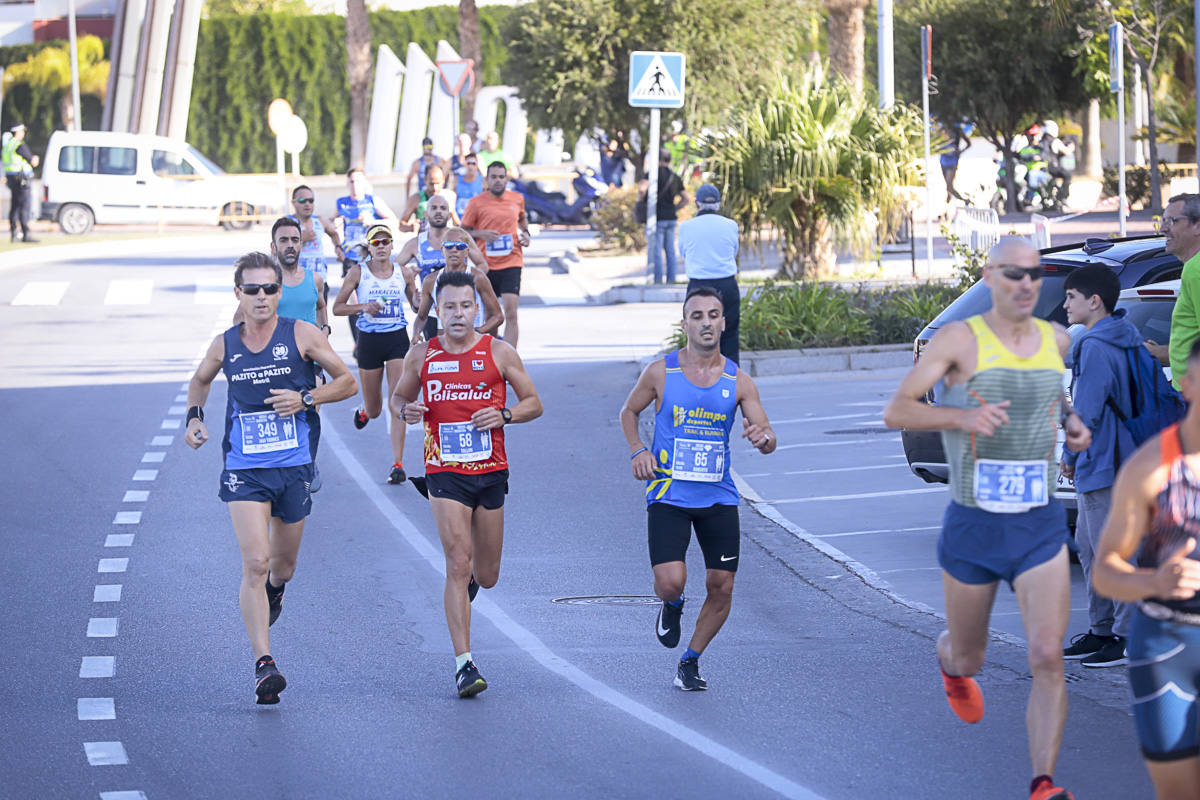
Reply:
x=75, y=219
x=234, y=216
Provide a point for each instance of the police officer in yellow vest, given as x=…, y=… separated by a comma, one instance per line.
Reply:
x=18, y=162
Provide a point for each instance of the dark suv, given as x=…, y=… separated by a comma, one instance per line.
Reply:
x=1138, y=260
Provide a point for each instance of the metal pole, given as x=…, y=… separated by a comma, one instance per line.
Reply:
x=279, y=169
x=887, y=92
x=75, y=123
x=1121, y=159
x=1196, y=33
x=652, y=196
x=1139, y=111
x=926, y=46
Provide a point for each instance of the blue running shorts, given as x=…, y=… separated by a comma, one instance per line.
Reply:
x=1164, y=679
x=285, y=488
x=978, y=546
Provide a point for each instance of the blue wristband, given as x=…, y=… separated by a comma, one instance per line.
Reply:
x=639, y=452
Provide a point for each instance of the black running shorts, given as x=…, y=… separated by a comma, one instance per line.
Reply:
x=485, y=489
x=669, y=529
x=505, y=281
x=376, y=349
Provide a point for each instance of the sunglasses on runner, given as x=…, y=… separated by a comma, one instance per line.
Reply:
x=380, y=242
x=454, y=245
x=253, y=288
x=303, y=200
x=1015, y=273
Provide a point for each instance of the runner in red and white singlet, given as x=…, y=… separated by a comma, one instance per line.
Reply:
x=462, y=376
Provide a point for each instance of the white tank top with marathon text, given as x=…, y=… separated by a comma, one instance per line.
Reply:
x=389, y=293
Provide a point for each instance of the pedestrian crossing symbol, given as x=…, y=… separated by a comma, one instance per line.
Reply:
x=656, y=79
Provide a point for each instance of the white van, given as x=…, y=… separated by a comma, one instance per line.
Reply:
x=125, y=178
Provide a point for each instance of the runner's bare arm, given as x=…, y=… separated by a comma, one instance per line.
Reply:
x=408, y=252
x=410, y=284
x=426, y=305
x=757, y=428
x=529, y=405
x=945, y=354
x=476, y=255
x=403, y=400
x=493, y=317
x=342, y=307
x=198, y=388
x=322, y=317
x=315, y=346
x=331, y=232
x=523, y=227
x=410, y=208
x=647, y=390
x=1129, y=519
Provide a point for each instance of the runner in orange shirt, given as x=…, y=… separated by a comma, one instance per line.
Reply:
x=496, y=218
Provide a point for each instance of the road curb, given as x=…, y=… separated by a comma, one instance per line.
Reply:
x=767, y=363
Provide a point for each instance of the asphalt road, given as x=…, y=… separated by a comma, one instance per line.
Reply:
x=821, y=684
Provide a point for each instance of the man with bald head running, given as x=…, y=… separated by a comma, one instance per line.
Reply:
x=1001, y=401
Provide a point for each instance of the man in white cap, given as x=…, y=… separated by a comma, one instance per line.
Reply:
x=708, y=243
x=19, y=162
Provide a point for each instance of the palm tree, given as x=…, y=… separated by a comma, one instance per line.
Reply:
x=358, y=75
x=817, y=161
x=469, y=47
x=847, y=39
x=49, y=71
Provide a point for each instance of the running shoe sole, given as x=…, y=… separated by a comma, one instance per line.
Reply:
x=268, y=689
x=679, y=684
x=473, y=688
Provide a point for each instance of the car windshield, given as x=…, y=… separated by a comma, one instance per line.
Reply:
x=203, y=159
x=978, y=299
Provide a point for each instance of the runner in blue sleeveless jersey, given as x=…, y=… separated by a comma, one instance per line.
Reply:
x=356, y=212
x=268, y=362
x=313, y=230
x=696, y=392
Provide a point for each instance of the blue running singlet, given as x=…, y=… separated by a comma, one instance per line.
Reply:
x=255, y=436
x=358, y=215
x=691, y=440
x=428, y=258
x=300, y=301
x=465, y=190
x=312, y=254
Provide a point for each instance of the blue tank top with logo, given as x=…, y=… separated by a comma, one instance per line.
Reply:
x=256, y=436
x=465, y=190
x=358, y=214
x=428, y=258
x=300, y=301
x=312, y=254
x=691, y=440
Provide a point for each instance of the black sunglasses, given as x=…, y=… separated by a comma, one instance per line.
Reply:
x=1015, y=273
x=302, y=200
x=253, y=288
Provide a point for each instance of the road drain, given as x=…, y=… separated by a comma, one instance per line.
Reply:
x=610, y=600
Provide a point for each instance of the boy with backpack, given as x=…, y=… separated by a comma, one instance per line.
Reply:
x=1123, y=397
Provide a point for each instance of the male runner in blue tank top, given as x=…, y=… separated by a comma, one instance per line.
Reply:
x=272, y=394
x=1001, y=375
x=1148, y=556
x=313, y=230
x=696, y=392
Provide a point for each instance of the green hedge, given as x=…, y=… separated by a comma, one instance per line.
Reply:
x=303, y=59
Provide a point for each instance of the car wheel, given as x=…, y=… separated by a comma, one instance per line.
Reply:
x=236, y=216
x=76, y=219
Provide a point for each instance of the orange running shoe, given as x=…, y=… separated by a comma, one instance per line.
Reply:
x=965, y=698
x=1048, y=791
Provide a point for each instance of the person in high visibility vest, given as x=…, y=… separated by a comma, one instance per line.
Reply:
x=19, y=162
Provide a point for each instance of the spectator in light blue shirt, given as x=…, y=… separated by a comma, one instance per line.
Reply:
x=708, y=244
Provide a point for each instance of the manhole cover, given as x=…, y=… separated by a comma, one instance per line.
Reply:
x=877, y=429
x=610, y=600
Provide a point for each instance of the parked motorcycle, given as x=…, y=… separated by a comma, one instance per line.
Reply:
x=542, y=206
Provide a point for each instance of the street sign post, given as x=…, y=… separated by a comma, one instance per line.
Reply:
x=656, y=81
x=279, y=113
x=926, y=74
x=1116, y=84
x=455, y=77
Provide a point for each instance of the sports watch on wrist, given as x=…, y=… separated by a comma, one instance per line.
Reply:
x=504, y=412
x=308, y=400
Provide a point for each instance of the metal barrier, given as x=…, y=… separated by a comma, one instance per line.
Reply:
x=977, y=228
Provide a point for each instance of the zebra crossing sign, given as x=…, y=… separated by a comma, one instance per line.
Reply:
x=656, y=79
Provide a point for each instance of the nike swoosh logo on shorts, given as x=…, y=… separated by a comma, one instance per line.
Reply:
x=728, y=558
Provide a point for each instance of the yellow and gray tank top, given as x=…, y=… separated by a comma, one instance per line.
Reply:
x=1034, y=388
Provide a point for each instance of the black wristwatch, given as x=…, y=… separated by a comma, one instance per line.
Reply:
x=308, y=400
x=504, y=412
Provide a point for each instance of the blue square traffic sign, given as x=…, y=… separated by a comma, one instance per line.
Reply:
x=656, y=79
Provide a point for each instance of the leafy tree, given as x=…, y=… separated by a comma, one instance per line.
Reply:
x=218, y=8
x=1000, y=63
x=48, y=71
x=816, y=159
x=578, y=80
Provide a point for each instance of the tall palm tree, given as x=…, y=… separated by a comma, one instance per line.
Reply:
x=469, y=47
x=49, y=71
x=847, y=38
x=817, y=161
x=358, y=75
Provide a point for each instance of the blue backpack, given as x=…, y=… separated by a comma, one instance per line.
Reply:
x=1155, y=403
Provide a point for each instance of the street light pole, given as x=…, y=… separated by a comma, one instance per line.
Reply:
x=887, y=92
x=75, y=123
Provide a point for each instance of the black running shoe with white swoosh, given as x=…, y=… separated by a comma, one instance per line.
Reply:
x=687, y=676
x=666, y=627
x=268, y=682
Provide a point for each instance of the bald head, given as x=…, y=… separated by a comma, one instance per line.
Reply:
x=1013, y=250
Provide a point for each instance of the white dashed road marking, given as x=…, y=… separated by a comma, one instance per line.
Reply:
x=861, y=496
x=170, y=424
x=127, y=518
x=136, y=496
x=119, y=540
x=129, y=293
x=145, y=474
x=104, y=754
x=97, y=667
x=107, y=593
x=41, y=293
x=122, y=796
x=836, y=442
x=155, y=457
x=113, y=565
x=89, y=708
x=102, y=627
x=162, y=441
